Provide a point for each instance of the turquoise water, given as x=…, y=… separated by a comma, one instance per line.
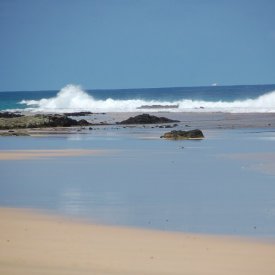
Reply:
x=149, y=182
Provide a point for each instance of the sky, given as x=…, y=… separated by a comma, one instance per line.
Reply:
x=112, y=44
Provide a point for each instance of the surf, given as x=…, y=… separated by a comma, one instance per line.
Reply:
x=74, y=98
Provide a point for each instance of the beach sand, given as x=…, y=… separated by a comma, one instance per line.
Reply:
x=33, y=243
x=261, y=162
x=201, y=120
x=37, y=243
x=34, y=154
x=204, y=120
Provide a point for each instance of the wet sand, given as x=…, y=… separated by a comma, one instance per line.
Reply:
x=261, y=162
x=202, y=120
x=34, y=154
x=33, y=243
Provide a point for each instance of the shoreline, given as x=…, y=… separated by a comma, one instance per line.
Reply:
x=187, y=121
x=34, y=243
x=82, y=182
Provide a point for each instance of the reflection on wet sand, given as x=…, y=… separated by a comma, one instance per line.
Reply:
x=33, y=154
x=262, y=162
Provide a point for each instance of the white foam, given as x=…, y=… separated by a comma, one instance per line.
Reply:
x=73, y=98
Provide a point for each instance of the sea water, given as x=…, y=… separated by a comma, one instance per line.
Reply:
x=145, y=181
x=251, y=98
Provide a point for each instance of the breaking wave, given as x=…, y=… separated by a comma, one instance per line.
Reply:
x=73, y=98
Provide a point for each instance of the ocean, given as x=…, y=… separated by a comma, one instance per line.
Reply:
x=228, y=99
x=223, y=184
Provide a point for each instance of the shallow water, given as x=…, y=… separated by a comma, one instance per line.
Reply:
x=148, y=182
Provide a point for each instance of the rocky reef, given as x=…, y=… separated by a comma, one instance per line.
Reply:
x=192, y=134
x=9, y=115
x=147, y=119
x=84, y=113
x=40, y=121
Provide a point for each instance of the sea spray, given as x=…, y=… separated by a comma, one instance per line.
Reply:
x=74, y=98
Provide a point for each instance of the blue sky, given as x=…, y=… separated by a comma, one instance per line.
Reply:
x=46, y=44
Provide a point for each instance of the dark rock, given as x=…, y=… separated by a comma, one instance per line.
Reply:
x=9, y=115
x=78, y=114
x=146, y=119
x=83, y=122
x=13, y=133
x=192, y=134
x=61, y=121
x=40, y=121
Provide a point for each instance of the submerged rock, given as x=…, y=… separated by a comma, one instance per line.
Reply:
x=192, y=134
x=9, y=115
x=83, y=113
x=40, y=121
x=13, y=133
x=146, y=119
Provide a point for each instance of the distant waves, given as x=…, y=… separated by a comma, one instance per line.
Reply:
x=73, y=98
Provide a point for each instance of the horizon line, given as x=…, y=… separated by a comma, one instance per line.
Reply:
x=143, y=88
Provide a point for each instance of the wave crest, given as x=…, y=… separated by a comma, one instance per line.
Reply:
x=74, y=98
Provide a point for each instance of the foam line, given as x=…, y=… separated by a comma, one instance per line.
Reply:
x=73, y=98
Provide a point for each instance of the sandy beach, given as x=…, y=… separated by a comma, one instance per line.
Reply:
x=35, y=154
x=33, y=243
x=262, y=162
x=131, y=187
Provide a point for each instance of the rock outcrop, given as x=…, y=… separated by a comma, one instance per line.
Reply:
x=13, y=133
x=147, y=119
x=83, y=113
x=40, y=121
x=9, y=115
x=192, y=134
